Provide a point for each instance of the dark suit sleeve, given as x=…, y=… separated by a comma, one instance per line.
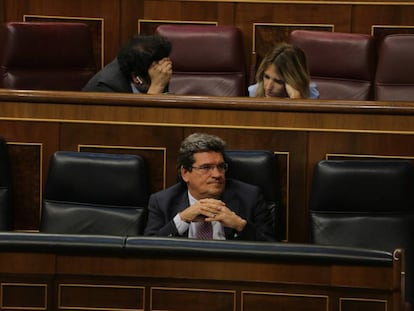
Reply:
x=160, y=222
x=109, y=79
x=248, y=202
x=260, y=228
x=98, y=87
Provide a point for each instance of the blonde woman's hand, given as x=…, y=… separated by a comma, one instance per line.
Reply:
x=292, y=92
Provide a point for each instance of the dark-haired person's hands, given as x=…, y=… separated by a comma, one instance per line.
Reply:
x=160, y=74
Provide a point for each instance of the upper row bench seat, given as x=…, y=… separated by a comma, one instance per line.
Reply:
x=394, y=79
x=207, y=60
x=45, y=56
x=341, y=64
x=351, y=66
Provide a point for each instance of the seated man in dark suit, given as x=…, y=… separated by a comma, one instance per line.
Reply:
x=206, y=205
x=142, y=66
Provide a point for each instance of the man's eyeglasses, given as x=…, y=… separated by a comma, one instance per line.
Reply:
x=207, y=168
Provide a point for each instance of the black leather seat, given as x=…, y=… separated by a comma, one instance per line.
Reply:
x=258, y=167
x=367, y=204
x=6, y=209
x=94, y=193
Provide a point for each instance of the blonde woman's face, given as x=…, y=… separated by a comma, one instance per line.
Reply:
x=273, y=85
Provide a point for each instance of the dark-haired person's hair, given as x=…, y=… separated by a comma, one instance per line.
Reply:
x=140, y=52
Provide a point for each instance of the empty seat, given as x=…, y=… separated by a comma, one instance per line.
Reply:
x=94, y=193
x=341, y=64
x=45, y=56
x=367, y=204
x=6, y=209
x=207, y=60
x=258, y=167
x=394, y=80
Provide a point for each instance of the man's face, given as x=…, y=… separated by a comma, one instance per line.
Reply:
x=207, y=178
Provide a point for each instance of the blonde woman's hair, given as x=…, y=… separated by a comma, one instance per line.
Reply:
x=291, y=65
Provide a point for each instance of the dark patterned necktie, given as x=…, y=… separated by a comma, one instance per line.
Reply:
x=204, y=230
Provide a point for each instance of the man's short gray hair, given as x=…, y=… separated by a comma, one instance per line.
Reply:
x=198, y=142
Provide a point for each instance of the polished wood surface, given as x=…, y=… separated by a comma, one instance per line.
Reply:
x=299, y=132
x=150, y=281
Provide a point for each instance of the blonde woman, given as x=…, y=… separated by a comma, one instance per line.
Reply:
x=284, y=73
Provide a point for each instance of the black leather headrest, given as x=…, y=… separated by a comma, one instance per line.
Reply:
x=108, y=179
x=256, y=167
x=363, y=186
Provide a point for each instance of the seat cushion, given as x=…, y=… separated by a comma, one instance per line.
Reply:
x=75, y=218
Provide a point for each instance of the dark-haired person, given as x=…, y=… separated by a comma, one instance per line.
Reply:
x=206, y=205
x=284, y=73
x=142, y=66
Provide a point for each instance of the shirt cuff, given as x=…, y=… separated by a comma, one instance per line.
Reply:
x=181, y=225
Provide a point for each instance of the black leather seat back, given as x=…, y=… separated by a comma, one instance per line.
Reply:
x=368, y=204
x=92, y=193
x=258, y=167
x=6, y=210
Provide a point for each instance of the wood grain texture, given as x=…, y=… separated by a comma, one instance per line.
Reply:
x=302, y=132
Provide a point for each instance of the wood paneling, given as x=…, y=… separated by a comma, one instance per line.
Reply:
x=37, y=123
x=284, y=301
x=100, y=297
x=179, y=280
x=30, y=146
x=149, y=142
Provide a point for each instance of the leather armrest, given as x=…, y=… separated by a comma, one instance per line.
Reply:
x=264, y=250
